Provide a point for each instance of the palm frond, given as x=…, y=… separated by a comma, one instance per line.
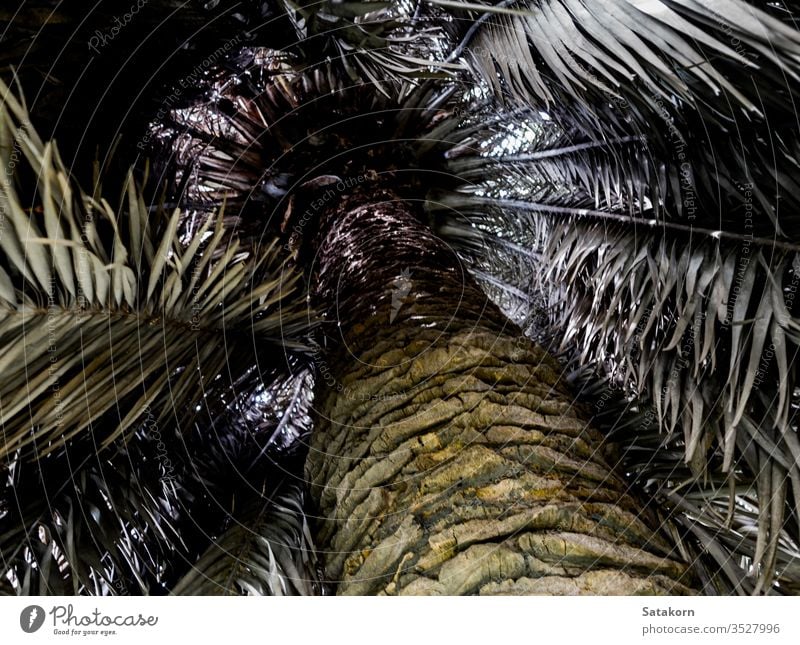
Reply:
x=571, y=51
x=92, y=525
x=266, y=552
x=384, y=43
x=716, y=520
x=131, y=521
x=700, y=324
x=84, y=297
x=710, y=88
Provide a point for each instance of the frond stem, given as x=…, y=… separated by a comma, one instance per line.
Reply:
x=628, y=219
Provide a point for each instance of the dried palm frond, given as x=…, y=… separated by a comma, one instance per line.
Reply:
x=266, y=553
x=117, y=338
x=86, y=524
x=374, y=40
x=708, y=87
x=702, y=325
x=85, y=293
x=715, y=521
x=579, y=54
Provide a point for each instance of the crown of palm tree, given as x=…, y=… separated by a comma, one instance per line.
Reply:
x=617, y=175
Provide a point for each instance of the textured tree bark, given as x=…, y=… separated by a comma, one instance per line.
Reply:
x=449, y=458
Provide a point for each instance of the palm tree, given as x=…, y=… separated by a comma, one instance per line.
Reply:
x=435, y=297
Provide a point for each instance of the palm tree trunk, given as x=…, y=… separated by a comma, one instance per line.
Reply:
x=449, y=458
